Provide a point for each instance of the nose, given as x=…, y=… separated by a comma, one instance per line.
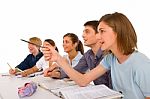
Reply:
x=98, y=35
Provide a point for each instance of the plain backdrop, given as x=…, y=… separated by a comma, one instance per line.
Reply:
x=22, y=19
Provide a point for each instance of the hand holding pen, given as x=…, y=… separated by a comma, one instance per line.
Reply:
x=13, y=71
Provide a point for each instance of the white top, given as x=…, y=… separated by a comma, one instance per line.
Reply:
x=75, y=60
x=42, y=63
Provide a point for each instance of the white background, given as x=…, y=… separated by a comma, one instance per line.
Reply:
x=22, y=19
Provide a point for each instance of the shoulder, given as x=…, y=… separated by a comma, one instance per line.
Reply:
x=88, y=53
x=140, y=61
x=79, y=55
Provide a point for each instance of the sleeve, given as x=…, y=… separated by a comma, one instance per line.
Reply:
x=24, y=64
x=106, y=62
x=41, y=63
x=142, y=79
x=81, y=67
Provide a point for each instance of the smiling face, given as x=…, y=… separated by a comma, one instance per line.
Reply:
x=108, y=36
x=33, y=49
x=68, y=44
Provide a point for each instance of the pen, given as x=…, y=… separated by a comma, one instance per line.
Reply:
x=32, y=43
x=9, y=66
x=49, y=90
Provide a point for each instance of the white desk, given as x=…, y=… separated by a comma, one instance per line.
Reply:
x=9, y=88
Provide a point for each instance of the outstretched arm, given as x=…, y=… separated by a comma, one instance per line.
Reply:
x=81, y=79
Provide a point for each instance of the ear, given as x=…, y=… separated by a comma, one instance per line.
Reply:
x=76, y=44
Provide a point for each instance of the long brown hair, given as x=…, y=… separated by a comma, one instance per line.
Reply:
x=126, y=35
x=75, y=39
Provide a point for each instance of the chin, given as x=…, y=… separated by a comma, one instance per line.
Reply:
x=103, y=47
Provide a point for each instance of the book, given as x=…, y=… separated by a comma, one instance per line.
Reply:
x=67, y=90
x=89, y=92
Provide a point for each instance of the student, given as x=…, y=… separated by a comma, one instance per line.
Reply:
x=129, y=67
x=74, y=49
x=42, y=64
x=93, y=56
x=32, y=58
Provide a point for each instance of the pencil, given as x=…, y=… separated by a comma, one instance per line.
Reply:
x=9, y=66
x=32, y=43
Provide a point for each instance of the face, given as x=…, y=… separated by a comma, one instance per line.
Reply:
x=89, y=36
x=108, y=36
x=68, y=44
x=47, y=44
x=33, y=48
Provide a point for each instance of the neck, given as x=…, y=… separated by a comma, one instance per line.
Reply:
x=36, y=53
x=72, y=54
x=95, y=48
x=120, y=56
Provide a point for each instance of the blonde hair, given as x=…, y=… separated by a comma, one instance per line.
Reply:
x=36, y=41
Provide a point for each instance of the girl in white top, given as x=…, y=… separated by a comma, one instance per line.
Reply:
x=74, y=49
x=42, y=64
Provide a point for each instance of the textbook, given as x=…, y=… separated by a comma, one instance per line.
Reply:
x=73, y=91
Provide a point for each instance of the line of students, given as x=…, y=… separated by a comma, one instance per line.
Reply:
x=129, y=68
x=113, y=44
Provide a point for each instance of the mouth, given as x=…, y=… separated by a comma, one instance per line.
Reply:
x=84, y=40
x=102, y=42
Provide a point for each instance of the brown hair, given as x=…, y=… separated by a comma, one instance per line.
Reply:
x=93, y=24
x=74, y=39
x=126, y=35
x=50, y=41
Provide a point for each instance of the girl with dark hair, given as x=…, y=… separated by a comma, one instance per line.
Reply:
x=74, y=49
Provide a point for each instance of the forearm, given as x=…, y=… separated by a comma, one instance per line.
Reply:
x=31, y=70
x=79, y=78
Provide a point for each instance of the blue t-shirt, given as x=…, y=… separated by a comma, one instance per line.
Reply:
x=29, y=61
x=130, y=77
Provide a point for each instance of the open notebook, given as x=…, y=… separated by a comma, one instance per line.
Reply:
x=67, y=90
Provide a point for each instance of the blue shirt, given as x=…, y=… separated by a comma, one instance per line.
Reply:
x=130, y=77
x=29, y=61
x=90, y=61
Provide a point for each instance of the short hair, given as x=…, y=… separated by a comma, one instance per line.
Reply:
x=126, y=35
x=35, y=40
x=94, y=24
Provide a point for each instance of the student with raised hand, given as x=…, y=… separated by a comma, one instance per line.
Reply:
x=93, y=56
x=41, y=64
x=129, y=67
x=32, y=58
x=74, y=49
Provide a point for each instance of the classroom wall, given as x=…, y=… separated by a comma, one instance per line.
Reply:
x=22, y=19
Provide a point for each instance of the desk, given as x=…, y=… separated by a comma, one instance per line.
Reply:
x=9, y=88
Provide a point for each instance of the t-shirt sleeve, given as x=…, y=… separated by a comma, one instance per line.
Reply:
x=106, y=62
x=40, y=63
